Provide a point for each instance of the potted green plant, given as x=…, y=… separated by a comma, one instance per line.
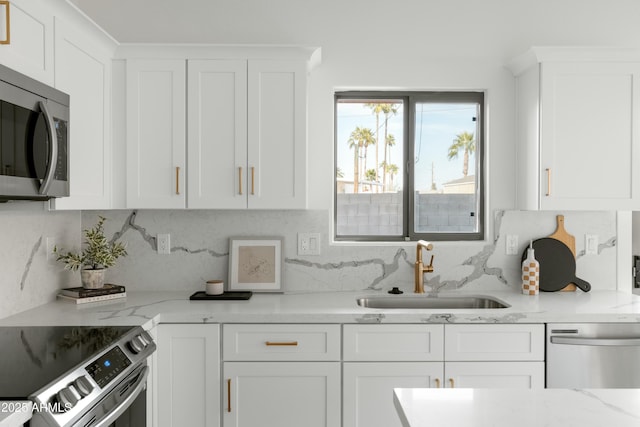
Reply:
x=98, y=255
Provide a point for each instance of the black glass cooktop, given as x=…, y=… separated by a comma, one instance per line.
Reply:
x=32, y=357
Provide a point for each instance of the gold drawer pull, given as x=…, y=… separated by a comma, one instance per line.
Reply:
x=7, y=27
x=240, y=180
x=178, y=180
x=229, y=395
x=282, y=343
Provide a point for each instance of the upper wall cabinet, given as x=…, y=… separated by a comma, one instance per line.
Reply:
x=578, y=129
x=83, y=70
x=30, y=50
x=246, y=142
x=156, y=133
x=247, y=134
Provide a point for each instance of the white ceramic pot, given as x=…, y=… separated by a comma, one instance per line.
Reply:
x=92, y=279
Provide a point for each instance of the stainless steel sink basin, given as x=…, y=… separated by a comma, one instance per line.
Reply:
x=431, y=302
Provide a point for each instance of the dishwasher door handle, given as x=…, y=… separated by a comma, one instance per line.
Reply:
x=609, y=342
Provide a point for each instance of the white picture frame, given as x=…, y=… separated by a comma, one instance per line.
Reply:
x=255, y=264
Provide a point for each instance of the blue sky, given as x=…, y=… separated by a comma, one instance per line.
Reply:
x=436, y=128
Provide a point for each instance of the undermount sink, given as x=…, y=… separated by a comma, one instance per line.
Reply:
x=431, y=302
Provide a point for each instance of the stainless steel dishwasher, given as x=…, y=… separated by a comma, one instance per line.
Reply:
x=593, y=355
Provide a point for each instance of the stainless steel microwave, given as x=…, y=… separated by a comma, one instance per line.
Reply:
x=34, y=139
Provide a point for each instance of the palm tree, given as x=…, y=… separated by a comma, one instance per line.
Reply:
x=376, y=108
x=371, y=175
x=389, y=142
x=388, y=111
x=339, y=173
x=464, y=142
x=392, y=170
x=359, y=138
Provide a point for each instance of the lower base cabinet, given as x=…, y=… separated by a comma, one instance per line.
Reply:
x=494, y=374
x=281, y=394
x=188, y=375
x=368, y=389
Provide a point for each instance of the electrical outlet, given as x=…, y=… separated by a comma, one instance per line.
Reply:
x=163, y=242
x=591, y=244
x=511, y=244
x=308, y=243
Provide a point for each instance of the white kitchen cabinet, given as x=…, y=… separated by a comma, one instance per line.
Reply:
x=283, y=394
x=368, y=389
x=281, y=342
x=508, y=342
x=283, y=375
x=379, y=358
x=247, y=134
x=246, y=144
x=393, y=342
x=217, y=134
x=277, y=139
x=30, y=50
x=156, y=133
x=494, y=374
x=83, y=70
x=188, y=375
x=578, y=131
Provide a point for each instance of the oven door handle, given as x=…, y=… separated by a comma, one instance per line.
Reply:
x=135, y=389
x=52, y=164
x=610, y=342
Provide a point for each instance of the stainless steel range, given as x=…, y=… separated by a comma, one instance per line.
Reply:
x=77, y=376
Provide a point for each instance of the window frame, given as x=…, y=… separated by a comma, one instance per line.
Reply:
x=410, y=99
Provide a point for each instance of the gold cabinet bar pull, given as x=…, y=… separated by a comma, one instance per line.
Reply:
x=7, y=36
x=253, y=180
x=178, y=180
x=281, y=343
x=548, y=181
x=451, y=383
x=240, y=180
x=437, y=380
x=229, y=395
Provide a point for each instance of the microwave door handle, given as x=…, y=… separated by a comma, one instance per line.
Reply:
x=53, y=152
x=609, y=342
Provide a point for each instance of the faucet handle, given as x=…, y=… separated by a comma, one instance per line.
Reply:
x=429, y=268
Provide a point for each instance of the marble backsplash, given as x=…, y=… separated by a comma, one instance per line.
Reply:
x=200, y=240
x=28, y=278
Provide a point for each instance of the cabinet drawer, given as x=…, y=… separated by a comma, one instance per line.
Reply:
x=281, y=342
x=494, y=342
x=393, y=342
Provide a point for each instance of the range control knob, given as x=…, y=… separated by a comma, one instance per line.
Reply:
x=137, y=344
x=68, y=397
x=83, y=385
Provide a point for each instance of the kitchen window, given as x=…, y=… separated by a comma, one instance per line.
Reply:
x=409, y=166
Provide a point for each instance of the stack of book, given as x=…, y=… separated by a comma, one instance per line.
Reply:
x=81, y=295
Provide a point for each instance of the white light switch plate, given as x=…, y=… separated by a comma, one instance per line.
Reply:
x=591, y=244
x=308, y=243
x=511, y=244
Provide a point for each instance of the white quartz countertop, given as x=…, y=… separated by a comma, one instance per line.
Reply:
x=423, y=407
x=149, y=308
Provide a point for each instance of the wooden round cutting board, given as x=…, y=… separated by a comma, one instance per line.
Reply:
x=566, y=238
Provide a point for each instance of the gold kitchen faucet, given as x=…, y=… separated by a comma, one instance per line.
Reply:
x=420, y=268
